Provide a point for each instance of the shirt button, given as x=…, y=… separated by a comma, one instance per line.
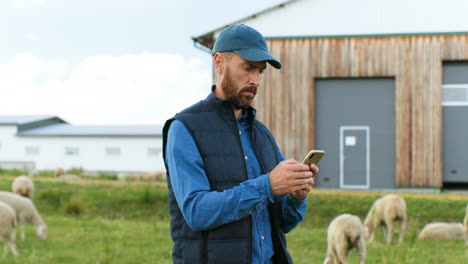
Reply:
x=240, y=132
x=246, y=158
x=263, y=238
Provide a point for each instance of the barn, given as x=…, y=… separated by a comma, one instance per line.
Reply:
x=381, y=86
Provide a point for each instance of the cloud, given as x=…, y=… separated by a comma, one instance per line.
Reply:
x=136, y=89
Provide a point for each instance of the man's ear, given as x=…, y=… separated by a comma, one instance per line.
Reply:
x=219, y=62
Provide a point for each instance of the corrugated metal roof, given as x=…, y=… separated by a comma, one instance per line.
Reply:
x=22, y=119
x=94, y=130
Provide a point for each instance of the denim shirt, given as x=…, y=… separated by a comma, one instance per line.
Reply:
x=204, y=209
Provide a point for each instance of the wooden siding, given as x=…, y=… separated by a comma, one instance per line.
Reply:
x=286, y=103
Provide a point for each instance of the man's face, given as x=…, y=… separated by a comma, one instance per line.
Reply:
x=240, y=80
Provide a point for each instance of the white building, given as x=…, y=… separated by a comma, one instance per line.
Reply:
x=48, y=142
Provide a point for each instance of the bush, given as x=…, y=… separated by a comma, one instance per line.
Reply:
x=76, y=171
x=13, y=172
x=74, y=209
x=147, y=197
x=46, y=173
x=54, y=197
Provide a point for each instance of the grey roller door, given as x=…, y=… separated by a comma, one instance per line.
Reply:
x=367, y=160
x=455, y=122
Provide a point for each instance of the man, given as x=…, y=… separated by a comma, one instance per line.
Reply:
x=232, y=197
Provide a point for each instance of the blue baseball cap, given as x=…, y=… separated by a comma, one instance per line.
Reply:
x=245, y=41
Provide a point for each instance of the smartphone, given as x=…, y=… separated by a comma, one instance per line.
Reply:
x=313, y=156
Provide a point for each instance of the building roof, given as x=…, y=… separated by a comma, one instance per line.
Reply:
x=93, y=130
x=23, y=119
x=30, y=125
x=206, y=41
x=341, y=19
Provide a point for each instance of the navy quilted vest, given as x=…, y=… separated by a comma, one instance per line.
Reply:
x=212, y=124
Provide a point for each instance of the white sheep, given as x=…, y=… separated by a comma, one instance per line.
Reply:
x=25, y=212
x=33, y=173
x=69, y=177
x=7, y=224
x=23, y=186
x=59, y=172
x=345, y=232
x=443, y=231
x=385, y=212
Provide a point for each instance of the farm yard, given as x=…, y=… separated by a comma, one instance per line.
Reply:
x=110, y=221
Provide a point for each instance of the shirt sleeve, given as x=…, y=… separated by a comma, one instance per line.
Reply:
x=293, y=210
x=204, y=209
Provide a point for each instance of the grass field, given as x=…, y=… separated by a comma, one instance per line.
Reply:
x=104, y=221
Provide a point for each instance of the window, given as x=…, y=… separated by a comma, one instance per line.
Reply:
x=112, y=151
x=153, y=152
x=72, y=151
x=31, y=150
x=455, y=94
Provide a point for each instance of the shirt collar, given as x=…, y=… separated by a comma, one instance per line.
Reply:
x=248, y=114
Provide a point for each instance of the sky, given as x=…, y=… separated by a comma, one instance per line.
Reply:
x=109, y=62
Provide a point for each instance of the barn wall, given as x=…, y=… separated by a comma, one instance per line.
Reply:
x=285, y=103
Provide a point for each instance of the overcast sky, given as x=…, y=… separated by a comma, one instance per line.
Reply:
x=109, y=61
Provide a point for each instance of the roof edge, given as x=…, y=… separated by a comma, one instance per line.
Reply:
x=206, y=41
x=39, y=123
x=370, y=35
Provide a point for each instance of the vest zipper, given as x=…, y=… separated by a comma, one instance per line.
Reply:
x=246, y=178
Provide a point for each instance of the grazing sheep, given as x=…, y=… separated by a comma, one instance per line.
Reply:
x=24, y=186
x=7, y=223
x=152, y=176
x=345, y=232
x=33, y=173
x=385, y=212
x=69, y=177
x=443, y=231
x=59, y=172
x=25, y=212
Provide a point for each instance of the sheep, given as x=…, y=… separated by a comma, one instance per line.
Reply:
x=7, y=224
x=25, y=212
x=385, y=212
x=465, y=224
x=33, y=173
x=24, y=186
x=443, y=231
x=59, y=172
x=152, y=176
x=345, y=232
x=69, y=177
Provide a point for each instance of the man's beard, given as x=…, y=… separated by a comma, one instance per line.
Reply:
x=234, y=95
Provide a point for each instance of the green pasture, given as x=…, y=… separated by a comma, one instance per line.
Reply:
x=104, y=221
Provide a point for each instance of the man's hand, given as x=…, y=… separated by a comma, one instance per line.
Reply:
x=302, y=193
x=291, y=176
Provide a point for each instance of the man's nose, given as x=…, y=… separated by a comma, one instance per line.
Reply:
x=255, y=79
